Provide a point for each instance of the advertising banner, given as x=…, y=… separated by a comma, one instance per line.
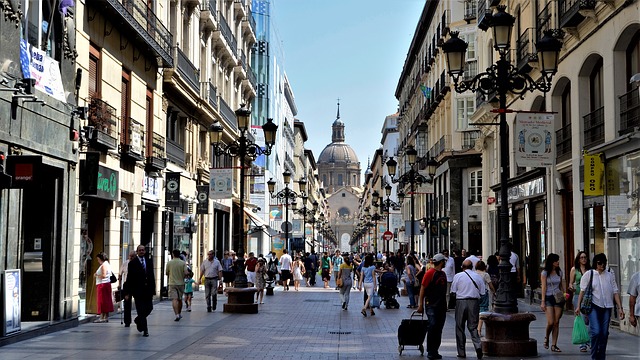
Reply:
x=221, y=185
x=45, y=70
x=12, y=295
x=203, y=199
x=593, y=175
x=536, y=143
x=172, y=190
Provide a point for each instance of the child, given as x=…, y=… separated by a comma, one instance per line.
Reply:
x=188, y=290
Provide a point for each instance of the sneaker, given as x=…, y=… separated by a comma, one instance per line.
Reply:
x=177, y=318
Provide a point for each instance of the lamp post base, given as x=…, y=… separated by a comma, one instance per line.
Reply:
x=241, y=301
x=508, y=335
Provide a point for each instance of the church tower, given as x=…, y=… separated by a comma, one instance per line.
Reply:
x=338, y=165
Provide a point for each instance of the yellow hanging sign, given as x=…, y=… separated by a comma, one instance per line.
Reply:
x=593, y=175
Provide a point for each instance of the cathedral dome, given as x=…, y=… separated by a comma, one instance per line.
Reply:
x=338, y=153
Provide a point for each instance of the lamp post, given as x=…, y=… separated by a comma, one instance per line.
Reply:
x=243, y=149
x=286, y=196
x=502, y=78
x=306, y=213
x=411, y=177
x=387, y=205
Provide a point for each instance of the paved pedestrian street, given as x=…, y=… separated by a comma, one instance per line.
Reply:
x=305, y=324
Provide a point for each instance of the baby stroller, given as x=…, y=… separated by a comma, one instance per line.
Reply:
x=388, y=290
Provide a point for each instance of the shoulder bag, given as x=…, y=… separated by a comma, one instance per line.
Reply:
x=113, y=278
x=585, y=306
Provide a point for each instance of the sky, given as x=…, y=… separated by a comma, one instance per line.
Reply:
x=352, y=50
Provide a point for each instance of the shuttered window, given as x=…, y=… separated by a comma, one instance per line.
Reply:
x=149, y=124
x=125, y=96
x=94, y=72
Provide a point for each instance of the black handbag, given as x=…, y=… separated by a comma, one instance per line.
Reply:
x=585, y=306
x=113, y=278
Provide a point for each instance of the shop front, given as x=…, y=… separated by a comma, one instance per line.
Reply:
x=620, y=220
x=99, y=191
x=528, y=226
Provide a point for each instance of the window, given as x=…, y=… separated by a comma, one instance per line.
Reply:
x=38, y=25
x=94, y=72
x=475, y=187
x=149, y=124
x=596, y=88
x=125, y=107
x=465, y=106
x=340, y=180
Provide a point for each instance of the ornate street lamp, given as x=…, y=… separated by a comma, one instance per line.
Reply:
x=307, y=213
x=245, y=150
x=503, y=78
x=287, y=196
x=411, y=177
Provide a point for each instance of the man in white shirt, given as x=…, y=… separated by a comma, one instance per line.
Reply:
x=474, y=259
x=211, y=269
x=450, y=271
x=468, y=286
x=285, y=268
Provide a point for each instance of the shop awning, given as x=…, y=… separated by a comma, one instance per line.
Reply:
x=255, y=219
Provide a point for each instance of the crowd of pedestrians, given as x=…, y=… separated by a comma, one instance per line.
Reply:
x=433, y=285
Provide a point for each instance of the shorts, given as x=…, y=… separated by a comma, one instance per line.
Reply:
x=251, y=277
x=549, y=300
x=286, y=274
x=190, y=293
x=176, y=292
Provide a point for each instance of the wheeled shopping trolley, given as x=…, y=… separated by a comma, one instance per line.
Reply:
x=412, y=332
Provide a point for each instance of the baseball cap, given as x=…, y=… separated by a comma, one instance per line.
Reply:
x=438, y=258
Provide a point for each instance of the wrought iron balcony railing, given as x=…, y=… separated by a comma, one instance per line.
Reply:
x=132, y=139
x=156, y=158
x=629, y=112
x=136, y=17
x=102, y=117
x=186, y=68
x=228, y=114
x=228, y=34
x=594, y=128
x=563, y=143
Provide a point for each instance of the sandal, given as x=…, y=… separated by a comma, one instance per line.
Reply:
x=372, y=313
x=546, y=343
x=364, y=312
x=555, y=348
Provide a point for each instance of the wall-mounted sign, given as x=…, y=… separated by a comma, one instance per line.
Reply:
x=203, y=199
x=593, y=175
x=172, y=190
x=24, y=169
x=535, y=139
x=221, y=185
x=150, y=188
x=97, y=180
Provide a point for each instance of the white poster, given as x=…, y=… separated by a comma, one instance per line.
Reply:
x=12, y=297
x=221, y=184
x=535, y=139
x=43, y=69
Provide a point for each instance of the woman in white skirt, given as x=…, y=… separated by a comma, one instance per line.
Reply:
x=298, y=270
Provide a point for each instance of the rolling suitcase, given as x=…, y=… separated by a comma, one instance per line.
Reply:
x=412, y=332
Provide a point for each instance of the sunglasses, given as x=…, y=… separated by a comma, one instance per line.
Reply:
x=601, y=263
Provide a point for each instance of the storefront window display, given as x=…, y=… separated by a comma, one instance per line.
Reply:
x=623, y=215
